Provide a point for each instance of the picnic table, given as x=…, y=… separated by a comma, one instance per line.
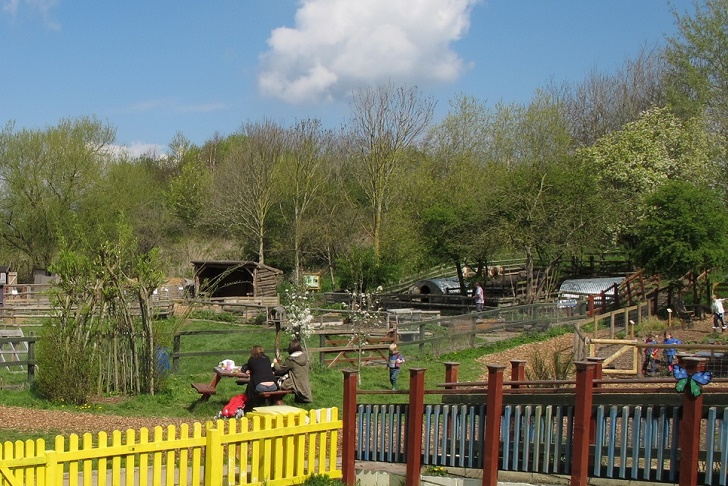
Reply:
x=206, y=390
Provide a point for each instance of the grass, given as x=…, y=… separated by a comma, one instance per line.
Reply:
x=179, y=399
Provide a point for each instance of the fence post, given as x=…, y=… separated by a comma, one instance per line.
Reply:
x=322, y=345
x=421, y=328
x=582, y=419
x=213, y=456
x=493, y=408
x=176, y=347
x=518, y=371
x=31, y=358
x=451, y=373
x=692, y=412
x=598, y=375
x=348, y=434
x=414, y=426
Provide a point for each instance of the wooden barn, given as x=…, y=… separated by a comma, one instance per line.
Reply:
x=232, y=278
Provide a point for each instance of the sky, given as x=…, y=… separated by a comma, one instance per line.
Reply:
x=153, y=69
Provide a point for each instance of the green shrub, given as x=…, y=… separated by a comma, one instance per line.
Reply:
x=65, y=368
x=322, y=480
x=560, y=366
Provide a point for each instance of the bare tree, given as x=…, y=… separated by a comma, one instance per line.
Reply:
x=244, y=189
x=306, y=164
x=603, y=103
x=386, y=121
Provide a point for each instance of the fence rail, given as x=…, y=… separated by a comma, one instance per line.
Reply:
x=584, y=428
x=264, y=450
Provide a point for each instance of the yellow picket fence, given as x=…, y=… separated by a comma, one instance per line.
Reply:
x=274, y=450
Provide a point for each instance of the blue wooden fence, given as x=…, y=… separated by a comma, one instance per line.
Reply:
x=630, y=443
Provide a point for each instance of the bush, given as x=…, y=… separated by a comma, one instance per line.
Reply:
x=64, y=368
x=322, y=480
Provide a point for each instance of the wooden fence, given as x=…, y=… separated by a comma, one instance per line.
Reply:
x=263, y=450
x=583, y=428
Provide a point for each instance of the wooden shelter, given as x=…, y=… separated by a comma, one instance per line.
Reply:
x=233, y=278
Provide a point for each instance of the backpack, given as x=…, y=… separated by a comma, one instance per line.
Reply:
x=235, y=408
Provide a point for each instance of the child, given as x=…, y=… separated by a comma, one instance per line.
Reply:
x=650, y=364
x=670, y=352
x=395, y=361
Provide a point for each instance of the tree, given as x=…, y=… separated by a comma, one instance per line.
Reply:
x=546, y=201
x=684, y=230
x=634, y=162
x=243, y=191
x=698, y=56
x=386, y=121
x=603, y=103
x=97, y=340
x=45, y=176
x=307, y=163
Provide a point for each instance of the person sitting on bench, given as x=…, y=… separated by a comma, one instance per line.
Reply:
x=295, y=371
x=260, y=369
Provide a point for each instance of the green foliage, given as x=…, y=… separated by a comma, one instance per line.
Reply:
x=559, y=366
x=651, y=325
x=360, y=270
x=436, y=471
x=322, y=480
x=67, y=364
x=684, y=230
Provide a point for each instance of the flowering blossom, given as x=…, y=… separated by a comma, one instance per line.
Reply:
x=298, y=314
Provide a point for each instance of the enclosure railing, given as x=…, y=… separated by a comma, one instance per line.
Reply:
x=265, y=450
x=584, y=428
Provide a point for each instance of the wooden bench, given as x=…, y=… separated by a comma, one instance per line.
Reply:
x=274, y=397
x=204, y=389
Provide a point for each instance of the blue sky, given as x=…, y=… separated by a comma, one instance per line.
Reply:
x=155, y=68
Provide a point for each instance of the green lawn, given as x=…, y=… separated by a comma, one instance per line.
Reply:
x=179, y=399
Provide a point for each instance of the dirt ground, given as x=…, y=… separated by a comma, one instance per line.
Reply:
x=700, y=330
x=65, y=422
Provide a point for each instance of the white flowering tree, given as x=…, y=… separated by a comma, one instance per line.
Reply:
x=299, y=320
x=365, y=318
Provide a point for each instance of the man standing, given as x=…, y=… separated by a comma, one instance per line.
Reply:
x=479, y=297
x=718, y=313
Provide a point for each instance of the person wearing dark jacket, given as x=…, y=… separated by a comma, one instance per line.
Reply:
x=260, y=370
x=295, y=371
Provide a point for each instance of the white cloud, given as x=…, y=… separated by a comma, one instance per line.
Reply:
x=43, y=7
x=337, y=45
x=138, y=149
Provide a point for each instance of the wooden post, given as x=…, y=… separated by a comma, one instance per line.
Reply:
x=692, y=412
x=176, y=348
x=414, y=426
x=598, y=374
x=493, y=410
x=422, y=337
x=582, y=419
x=518, y=371
x=348, y=433
x=451, y=373
x=322, y=345
x=31, y=358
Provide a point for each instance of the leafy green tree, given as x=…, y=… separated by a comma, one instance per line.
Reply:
x=684, y=230
x=99, y=343
x=46, y=176
x=647, y=153
x=698, y=55
x=187, y=192
x=546, y=201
